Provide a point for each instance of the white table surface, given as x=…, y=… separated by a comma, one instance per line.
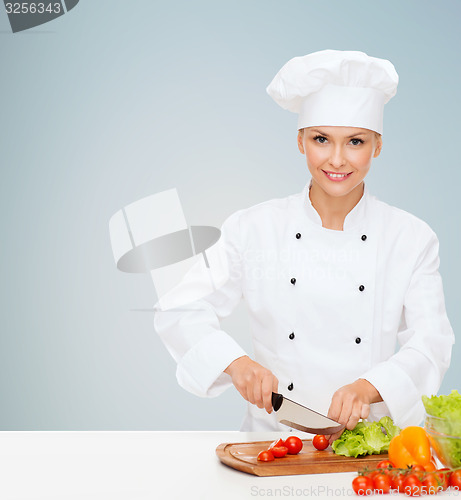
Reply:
x=146, y=465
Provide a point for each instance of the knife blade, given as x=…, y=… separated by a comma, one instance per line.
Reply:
x=302, y=418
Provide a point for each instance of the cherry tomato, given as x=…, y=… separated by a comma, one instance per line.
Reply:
x=430, y=485
x=277, y=443
x=362, y=485
x=455, y=479
x=430, y=467
x=266, y=456
x=385, y=464
x=373, y=473
x=320, y=442
x=397, y=482
x=443, y=478
x=294, y=445
x=279, y=451
x=418, y=470
x=382, y=483
x=412, y=485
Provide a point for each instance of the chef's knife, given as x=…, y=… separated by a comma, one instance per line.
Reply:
x=299, y=417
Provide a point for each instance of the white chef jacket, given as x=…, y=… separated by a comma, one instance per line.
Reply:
x=326, y=307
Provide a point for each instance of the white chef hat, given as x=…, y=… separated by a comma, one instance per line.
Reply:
x=336, y=88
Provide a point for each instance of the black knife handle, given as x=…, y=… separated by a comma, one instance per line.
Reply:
x=277, y=400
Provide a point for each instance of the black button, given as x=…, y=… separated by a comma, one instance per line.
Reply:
x=361, y=288
x=291, y=336
x=358, y=340
x=290, y=387
x=293, y=281
x=298, y=235
x=364, y=237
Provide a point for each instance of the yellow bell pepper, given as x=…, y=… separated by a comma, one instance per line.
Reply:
x=410, y=447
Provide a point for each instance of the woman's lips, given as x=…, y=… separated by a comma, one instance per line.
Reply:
x=336, y=177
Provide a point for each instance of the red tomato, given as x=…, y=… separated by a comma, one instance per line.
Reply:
x=294, y=445
x=277, y=443
x=320, y=442
x=266, y=456
x=397, y=482
x=430, y=485
x=373, y=473
x=279, y=451
x=430, y=467
x=418, y=470
x=385, y=464
x=363, y=485
x=455, y=479
x=412, y=485
x=443, y=477
x=382, y=483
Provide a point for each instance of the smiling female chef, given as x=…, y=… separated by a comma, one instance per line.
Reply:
x=334, y=279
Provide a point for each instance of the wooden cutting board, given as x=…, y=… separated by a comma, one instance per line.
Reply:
x=243, y=457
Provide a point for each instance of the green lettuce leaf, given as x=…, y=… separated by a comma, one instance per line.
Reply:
x=366, y=438
x=349, y=445
x=375, y=439
x=389, y=427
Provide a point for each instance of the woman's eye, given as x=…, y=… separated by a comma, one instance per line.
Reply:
x=356, y=142
x=320, y=139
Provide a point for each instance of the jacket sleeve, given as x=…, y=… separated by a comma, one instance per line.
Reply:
x=425, y=340
x=191, y=332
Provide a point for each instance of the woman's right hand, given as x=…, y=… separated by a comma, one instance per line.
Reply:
x=254, y=382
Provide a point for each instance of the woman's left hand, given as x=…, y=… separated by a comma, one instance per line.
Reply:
x=351, y=403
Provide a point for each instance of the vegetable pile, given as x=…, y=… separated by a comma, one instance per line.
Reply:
x=411, y=469
x=412, y=481
x=367, y=438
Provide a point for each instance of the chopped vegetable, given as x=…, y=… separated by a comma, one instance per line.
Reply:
x=276, y=444
x=367, y=438
x=279, y=451
x=266, y=456
x=280, y=448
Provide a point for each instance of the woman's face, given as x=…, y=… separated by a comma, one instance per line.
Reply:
x=338, y=158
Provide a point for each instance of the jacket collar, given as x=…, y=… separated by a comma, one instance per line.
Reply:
x=353, y=219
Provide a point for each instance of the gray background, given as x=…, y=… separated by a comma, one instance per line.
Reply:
x=117, y=100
